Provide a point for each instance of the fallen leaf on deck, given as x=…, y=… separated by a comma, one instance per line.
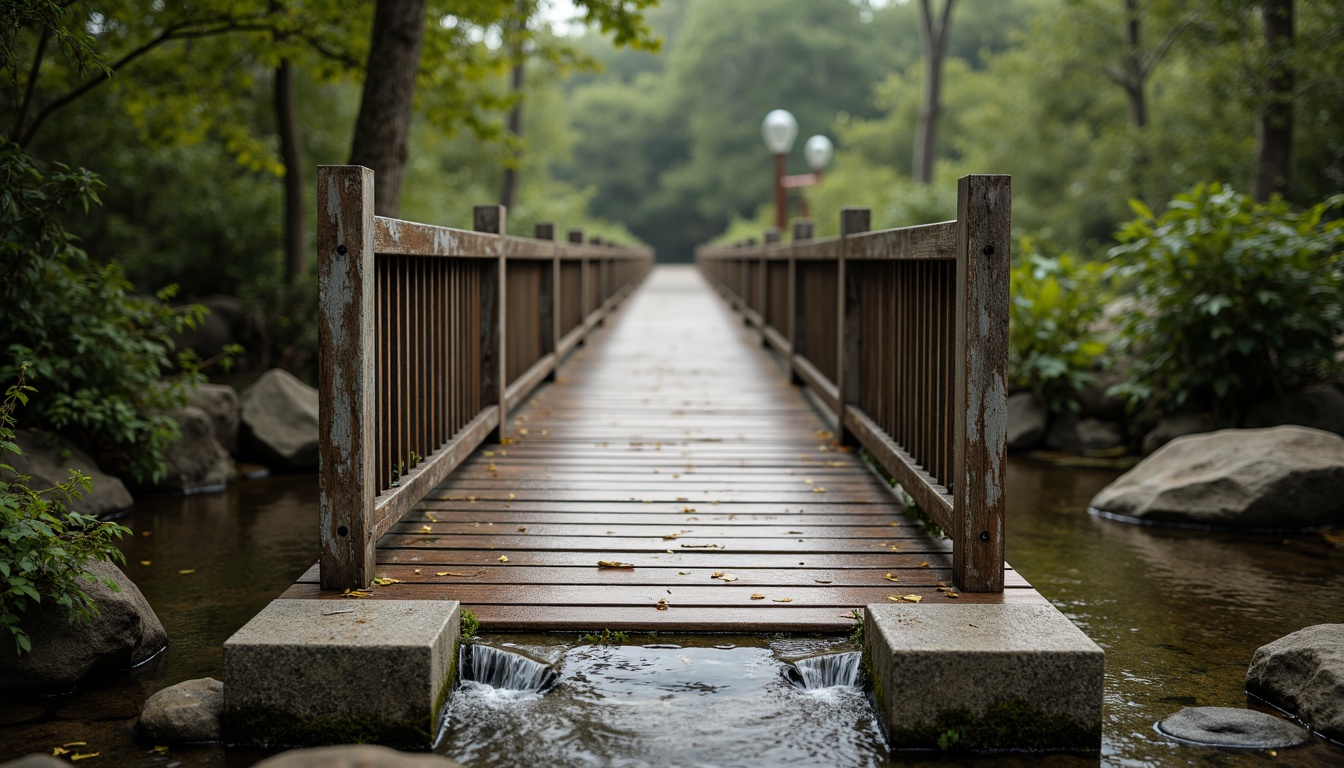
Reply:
x=417, y=570
x=895, y=548
x=682, y=498
x=384, y=581
x=662, y=604
x=822, y=581
x=758, y=596
x=83, y=755
x=144, y=562
x=894, y=525
x=807, y=480
x=796, y=533
x=682, y=573
x=727, y=578
x=522, y=431
x=57, y=751
x=889, y=577
x=425, y=529
x=461, y=574
x=836, y=464
x=503, y=559
x=702, y=546
x=670, y=536
x=75, y=744
x=186, y=571
x=489, y=454
x=953, y=594
x=716, y=574
x=781, y=599
x=492, y=468
x=545, y=432
x=613, y=564
x=824, y=435
x=159, y=750
x=432, y=518
x=818, y=489
x=522, y=529
x=924, y=564
x=687, y=511
x=512, y=496
x=357, y=593
x=471, y=499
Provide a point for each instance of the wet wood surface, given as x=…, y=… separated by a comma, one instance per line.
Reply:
x=674, y=445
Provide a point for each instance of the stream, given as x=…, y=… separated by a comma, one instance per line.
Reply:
x=1178, y=612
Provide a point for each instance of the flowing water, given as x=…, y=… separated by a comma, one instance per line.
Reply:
x=1179, y=614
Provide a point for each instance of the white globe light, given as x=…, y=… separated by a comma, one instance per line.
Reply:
x=818, y=150
x=779, y=129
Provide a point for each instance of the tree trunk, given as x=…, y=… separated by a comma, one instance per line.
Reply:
x=382, y=130
x=1136, y=72
x=287, y=125
x=509, y=186
x=933, y=43
x=1274, y=124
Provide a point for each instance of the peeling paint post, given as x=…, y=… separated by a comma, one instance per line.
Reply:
x=346, y=374
x=984, y=210
x=492, y=219
x=853, y=221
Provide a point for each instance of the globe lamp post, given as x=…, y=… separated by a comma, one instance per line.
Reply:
x=779, y=129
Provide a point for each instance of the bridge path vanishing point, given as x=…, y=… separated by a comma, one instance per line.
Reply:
x=674, y=443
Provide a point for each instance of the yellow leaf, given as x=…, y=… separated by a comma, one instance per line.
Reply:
x=503, y=559
x=913, y=598
x=457, y=573
x=384, y=581
x=953, y=594
x=728, y=579
x=924, y=564
x=758, y=596
x=818, y=489
x=670, y=536
x=75, y=744
x=489, y=454
x=894, y=599
x=682, y=498
x=682, y=573
x=186, y=571
x=807, y=480
x=687, y=511
x=57, y=751
x=522, y=431
x=781, y=600
x=425, y=529
x=506, y=441
x=144, y=562
x=83, y=755
x=894, y=525
x=492, y=468
x=432, y=518
x=159, y=750
x=613, y=564
x=889, y=577
x=662, y=604
x=716, y=574
x=512, y=496
x=471, y=499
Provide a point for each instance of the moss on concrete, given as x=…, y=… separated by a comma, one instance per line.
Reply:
x=273, y=726
x=1005, y=726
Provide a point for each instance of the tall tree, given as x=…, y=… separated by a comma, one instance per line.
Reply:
x=383, y=128
x=1137, y=65
x=933, y=36
x=509, y=185
x=1274, y=123
x=291, y=156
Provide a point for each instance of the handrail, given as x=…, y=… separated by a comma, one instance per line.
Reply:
x=903, y=335
x=428, y=338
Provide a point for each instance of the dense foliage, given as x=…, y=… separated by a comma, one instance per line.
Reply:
x=1054, y=347
x=97, y=351
x=1234, y=301
x=44, y=547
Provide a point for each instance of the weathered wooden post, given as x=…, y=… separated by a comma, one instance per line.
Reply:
x=980, y=410
x=802, y=232
x=585, y=289
x=493, y=219
x=347, y=376
x=550, y=297
x=853, y=221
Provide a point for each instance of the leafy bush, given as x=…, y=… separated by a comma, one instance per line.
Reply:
x=1235, y=300
x=1053, y=347
x=97, y=351
x=44, y=548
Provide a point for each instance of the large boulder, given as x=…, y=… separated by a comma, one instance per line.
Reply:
x=125, y=633
x=220, y=402
x=196, y=462
x=1027, y=419
x=279, y=422
x=1320, y=407
x=1303, y=674
x=1277, y=478
x=189, y=712
x=356, y=756
x=48, y=459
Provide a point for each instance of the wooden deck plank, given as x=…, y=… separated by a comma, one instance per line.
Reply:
x=671, y=441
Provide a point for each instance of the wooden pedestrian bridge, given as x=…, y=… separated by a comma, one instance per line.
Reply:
x=559, y=435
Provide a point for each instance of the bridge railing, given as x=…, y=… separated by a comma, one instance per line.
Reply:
x=903, y=335
x=428, y=338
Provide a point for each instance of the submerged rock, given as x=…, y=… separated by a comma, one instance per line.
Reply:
x=1303, y=674
x=125, y=633
x=1027, y=419
x=356, y=756
x=1277, y=478
x=279, y=422
x=184, y=713
x=48, y=459
x=1230, y=727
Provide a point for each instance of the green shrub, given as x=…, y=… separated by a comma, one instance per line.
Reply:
x=44, y=548
x=1053, y=347
x=98, y=352
x=1236, y=301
